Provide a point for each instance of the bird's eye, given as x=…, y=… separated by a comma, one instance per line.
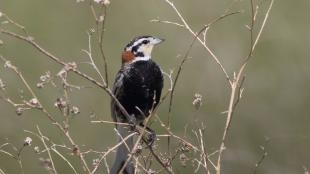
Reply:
x=145, y=42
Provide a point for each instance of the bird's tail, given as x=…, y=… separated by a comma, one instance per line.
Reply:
x=123, y=152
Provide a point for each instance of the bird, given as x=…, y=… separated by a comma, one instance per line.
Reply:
x=137, y=87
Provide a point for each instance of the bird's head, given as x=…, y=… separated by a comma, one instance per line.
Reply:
x=140, y=48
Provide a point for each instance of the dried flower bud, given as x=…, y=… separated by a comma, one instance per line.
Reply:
x=1, y=14
x=96, y=161
x=185, y=147
x=1, y=42
x=27, y=141
x=70, y=66
x=19, y=111
x=76, y=150
x=36, y=149
x=75, y=110
x=101, y=18
x=40, y=85
x=34, y=102
x=104, y=2
x=197, y=101
x=7, y=64
x=60, y=103
x=46, y=77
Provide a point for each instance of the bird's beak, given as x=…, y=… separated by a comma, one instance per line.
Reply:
x=157, y=41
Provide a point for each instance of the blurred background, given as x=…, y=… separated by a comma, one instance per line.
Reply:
x=275, y=103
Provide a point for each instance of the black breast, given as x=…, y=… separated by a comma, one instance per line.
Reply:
x=137, y=85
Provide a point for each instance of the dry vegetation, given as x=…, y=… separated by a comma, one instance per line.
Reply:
x=148, y=159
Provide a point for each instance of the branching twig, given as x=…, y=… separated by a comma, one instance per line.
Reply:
x=47, y=149
x=237, y=83
x=200, y=40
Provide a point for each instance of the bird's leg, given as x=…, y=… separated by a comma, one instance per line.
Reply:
x=132, y=121
x=151, y=135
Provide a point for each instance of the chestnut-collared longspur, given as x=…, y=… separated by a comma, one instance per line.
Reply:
x=137, y=87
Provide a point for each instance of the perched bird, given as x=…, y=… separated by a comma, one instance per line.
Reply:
x=137, y=87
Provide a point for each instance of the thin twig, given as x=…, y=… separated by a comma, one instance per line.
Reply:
x=109, y=151
x=200, y=40
x=65, y=159
x=111, y=122
x=90, y=56
x=47, y=149
x=69, y=67
x=100, y=42
x=236, y=87
x=167, y=22
x=40, y=107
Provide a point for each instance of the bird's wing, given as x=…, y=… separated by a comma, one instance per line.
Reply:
x=117, y=91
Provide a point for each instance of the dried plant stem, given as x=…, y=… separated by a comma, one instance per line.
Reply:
x=49, y=116
x=237, y=83
x=109, y=151
x=200, y=40
x=90, y=56
x=47, y=149
x=204, y=154
x=100, y=42
x=70, y=68
x=17, y=158
x=203, y=42
x=111, y=122
x=65, y=159
x=175, y=136
x=176, y=80
x=100, y=30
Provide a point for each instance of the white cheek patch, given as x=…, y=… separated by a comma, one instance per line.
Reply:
x=146, y=50
x=145, y=58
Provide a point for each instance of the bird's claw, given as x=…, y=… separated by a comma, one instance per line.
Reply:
x=132, y=121
x=151, y=138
